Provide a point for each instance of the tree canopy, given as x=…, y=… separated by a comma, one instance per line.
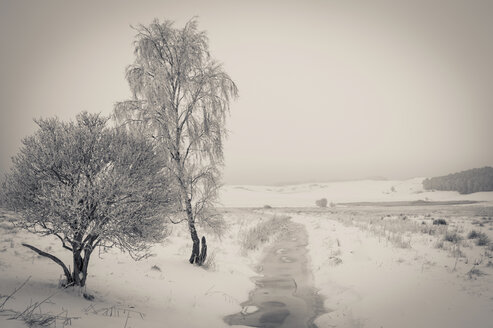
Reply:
x=181, y=97
x=89, y=185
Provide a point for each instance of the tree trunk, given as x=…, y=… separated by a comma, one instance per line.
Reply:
x=80, y=267
x=196, y=243
x=79, y=275
x=87, y=256
x=203, y=252
x=193, y=232
x=77, y=267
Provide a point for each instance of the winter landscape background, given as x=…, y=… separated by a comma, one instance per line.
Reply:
x=336, y=156
x=373, y=265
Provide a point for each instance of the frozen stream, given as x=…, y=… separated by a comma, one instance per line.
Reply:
x=284, y=295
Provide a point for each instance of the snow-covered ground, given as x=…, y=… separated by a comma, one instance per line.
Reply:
x=382, y=273
x=375, y=266
x=380, y=266
x=165, y=288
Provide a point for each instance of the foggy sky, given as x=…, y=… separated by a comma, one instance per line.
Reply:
x=329, y=90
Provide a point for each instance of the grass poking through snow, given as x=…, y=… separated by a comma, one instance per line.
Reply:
x=452, y=236
x=482, y=239
x=262, y=232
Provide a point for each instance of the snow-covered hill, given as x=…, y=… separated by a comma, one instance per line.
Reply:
x=303, y=195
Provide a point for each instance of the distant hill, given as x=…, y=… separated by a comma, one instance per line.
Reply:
x=465, y=182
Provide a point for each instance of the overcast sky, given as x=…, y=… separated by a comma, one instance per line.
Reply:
x=329, y=90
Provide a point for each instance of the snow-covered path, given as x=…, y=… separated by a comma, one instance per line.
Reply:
x=284, y=295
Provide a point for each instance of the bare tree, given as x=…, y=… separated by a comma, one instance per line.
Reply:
x=181, y=96
x=89, y=185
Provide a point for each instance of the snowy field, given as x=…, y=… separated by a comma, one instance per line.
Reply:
x=393, y=268
x=163, y=290
x=374, y=266
x=304, y=195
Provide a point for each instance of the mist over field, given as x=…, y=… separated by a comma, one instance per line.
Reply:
x=328, y=90
x=246, y=164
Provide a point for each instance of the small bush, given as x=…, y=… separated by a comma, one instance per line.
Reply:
x=452, y=237
x=439, y=222
x=483, y=239
x=475, y=272
x=321, y=202
x=156, y=268
x=267, y=206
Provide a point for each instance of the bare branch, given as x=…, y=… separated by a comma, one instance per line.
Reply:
x=51, y=257
x=177, y=222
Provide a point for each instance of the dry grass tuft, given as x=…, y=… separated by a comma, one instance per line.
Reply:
x=262, y=232
x=210, y=262
x=474, y=273
x=482, y=239
x=32, y=315
x=156, y=268
x=452, y=236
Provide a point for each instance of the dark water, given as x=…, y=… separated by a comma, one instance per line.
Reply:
x=284, y=295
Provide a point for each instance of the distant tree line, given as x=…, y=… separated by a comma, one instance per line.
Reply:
x=465, y=182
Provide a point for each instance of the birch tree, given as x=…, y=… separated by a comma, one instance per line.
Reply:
x=181, y=97
x=89, y=186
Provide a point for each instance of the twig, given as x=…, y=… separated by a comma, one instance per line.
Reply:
x=15, y=291
x=35, y=319
x=126, y=320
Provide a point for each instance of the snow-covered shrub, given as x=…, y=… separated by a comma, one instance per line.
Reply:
x=452, y=236
x=90, y=186
x=483, y=239
x=439, y=222
x=473, y=234
x=321, y=202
